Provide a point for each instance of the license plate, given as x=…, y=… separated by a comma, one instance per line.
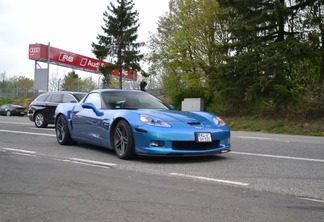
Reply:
x=203, y=137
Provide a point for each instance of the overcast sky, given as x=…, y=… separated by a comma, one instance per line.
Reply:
x=71, y=25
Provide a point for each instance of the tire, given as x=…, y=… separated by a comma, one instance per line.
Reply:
x=62, y=131
x=123, y=141
x=8, y=113
x=40, y=120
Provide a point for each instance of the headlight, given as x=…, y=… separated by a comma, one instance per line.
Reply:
x=218, y=121
x=152, y=121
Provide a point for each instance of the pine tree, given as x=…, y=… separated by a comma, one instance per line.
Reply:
x=119, y=39
x=71, y=82
x=267, y=41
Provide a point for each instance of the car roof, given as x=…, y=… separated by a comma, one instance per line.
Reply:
x=69, y=92
x=116, y=90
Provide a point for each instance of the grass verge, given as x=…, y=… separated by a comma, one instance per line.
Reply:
x=280, y=126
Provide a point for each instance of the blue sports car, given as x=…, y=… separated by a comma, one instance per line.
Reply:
x=133, y=122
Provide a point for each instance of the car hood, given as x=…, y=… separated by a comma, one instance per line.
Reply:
x=181, y=117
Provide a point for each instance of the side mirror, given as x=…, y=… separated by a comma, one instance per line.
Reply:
x=172, y=107
x=91, y=106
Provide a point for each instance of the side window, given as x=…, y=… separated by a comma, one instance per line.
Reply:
x=42, y=98
x=67, y=98
x=56, y=98
x=95, y=99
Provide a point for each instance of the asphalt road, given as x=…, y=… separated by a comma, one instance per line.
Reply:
x=266, y=177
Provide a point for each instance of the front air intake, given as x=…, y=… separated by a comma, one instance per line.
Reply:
x=192, y=145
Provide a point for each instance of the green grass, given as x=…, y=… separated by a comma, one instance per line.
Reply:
x=17, y=101
x=280, y=126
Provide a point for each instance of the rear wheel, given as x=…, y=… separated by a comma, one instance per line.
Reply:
x=40, y=120
x=62, y=131
x=123, y=140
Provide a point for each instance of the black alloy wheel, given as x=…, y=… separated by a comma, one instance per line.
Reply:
x=123, y=140
x=62, y=132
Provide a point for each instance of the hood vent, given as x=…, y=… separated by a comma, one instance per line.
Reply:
x=194, y=123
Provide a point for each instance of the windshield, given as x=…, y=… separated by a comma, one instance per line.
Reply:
x=79, y=96
x=132, y=100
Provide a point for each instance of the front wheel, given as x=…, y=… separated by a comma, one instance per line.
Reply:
x=40, y=120
x=62, y=131
x=8, y=113
x=123, y=140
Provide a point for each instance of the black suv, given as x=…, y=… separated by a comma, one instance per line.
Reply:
x=41, y=110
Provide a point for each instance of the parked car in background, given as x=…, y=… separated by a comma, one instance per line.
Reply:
x=12, y=110
x=133, y=122
x=41, y=110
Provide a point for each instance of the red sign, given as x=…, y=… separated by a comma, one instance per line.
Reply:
x=61, y=57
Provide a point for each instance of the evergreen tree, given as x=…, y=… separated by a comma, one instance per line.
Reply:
x=71, y=82
x=267, y=39
x=119, y=39
x=314, y=30
x=87, y=84
x=243, y=56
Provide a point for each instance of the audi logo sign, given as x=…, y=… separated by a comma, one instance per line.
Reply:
x=34, y=50
x=40, y=52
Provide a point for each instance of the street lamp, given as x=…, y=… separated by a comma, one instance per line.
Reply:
x=58, y=84
x=99, y=82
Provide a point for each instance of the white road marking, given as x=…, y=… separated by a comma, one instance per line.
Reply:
x=42, y=129
x=25, y=154
x=19, y=151
x=209, y=179
x=92, y=162
x=83, y=163
x=310, y=199
x=252, y=137
x=73, y=160
x=17, y=123
x=28, y=133
x=280, y=157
